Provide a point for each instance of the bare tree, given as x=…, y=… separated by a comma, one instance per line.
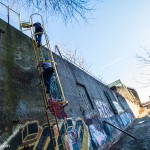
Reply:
x=144, y=59
x=67, y=9
x=74, y=57
x=145, y=62
x=102, y=79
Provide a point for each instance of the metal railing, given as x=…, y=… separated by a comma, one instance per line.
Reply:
x=10, y=16
x=120, y=130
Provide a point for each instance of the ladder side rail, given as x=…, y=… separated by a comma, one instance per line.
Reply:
x=41, y=78
x=58, y=127
x=52, y=59
x=46, y=104
x=57, y=77
x=45, y=99
x=53, y=64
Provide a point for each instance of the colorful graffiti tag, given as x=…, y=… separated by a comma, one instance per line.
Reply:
x=98, y=137
x=76, y=135
x=54, y=88
x=103, y=109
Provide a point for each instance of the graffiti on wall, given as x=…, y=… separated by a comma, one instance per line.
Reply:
x=74, y=133
x=118, y=107
x=86, y=102
x=103, y=109
x=23, y=58
x=130, y=116
x=22, y=109
x=54, y=88
x=97, y=137
x=97, y=134
x=124, y=119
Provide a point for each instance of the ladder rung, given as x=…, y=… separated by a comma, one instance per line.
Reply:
x=52, y=121
x=54, y=111
x=57, y=103
x=33, y=40
x=24, y=22
x=25, y=29
x=65, y=104
x=49, y=106
x=48, y=125
x=52, y=124
x=53, y=127
x=44, y=44
x=38, y=33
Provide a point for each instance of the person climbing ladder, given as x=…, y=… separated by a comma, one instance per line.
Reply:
x=38, y=33
x=47, y=73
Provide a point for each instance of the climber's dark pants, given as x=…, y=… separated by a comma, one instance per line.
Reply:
x=47, y=74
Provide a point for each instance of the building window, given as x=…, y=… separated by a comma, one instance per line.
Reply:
x=85, y=98
x=110, y=102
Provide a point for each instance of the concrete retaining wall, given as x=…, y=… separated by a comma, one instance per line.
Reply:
x=21, y=99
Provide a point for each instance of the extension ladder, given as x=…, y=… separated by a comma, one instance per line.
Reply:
x=38, y=56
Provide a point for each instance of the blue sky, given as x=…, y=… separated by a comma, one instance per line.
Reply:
x=110, y=40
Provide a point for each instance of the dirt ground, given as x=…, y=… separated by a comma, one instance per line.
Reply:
x=139, y=129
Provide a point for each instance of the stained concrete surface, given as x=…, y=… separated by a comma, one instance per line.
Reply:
x=141, y=130
x=21, y=99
